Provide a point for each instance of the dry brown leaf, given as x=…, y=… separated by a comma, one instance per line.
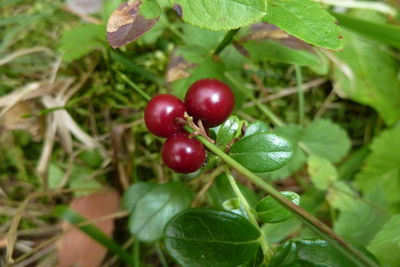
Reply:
x=76, y=248
x=126, y=24
x=178, y=68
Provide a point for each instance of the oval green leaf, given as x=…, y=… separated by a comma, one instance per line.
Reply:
x=156, y=208
x=228, y=130
x=256, y=127
x=270, y=211
x=312, y=253
x=221, y=14
x=262, y=152
x=210, y=237
x=134, y=193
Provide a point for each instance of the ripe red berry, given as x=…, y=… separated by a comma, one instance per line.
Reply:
x=209, y=100
x=160, y=115
x=183, y=154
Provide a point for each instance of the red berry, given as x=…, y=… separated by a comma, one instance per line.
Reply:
x=209, y=100
x=160, y=115
x=183, y=154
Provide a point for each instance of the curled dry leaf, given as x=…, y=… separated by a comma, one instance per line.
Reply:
x=126, y=24
x=76, y=248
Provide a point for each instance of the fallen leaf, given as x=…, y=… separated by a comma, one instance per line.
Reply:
x=76, y=248
x=178, y=68
x=126, y=24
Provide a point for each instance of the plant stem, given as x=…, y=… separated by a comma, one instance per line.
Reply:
x=161, y=255
x=267, y=251
x=300, y=93
x=226, y=41
x=277, y=121
x=136, y=253
x=380, y=7
x=317, y=226
x=134, y=86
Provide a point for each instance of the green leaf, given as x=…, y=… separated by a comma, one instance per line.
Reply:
x=278, y=232
x=368, y=75
x=79, y=41
x=322, y=172
x=362, y=219
x=310, y=253
x=306, y=20
x=383, y=33
x=150, y=9
x=382, y=166
x=134, y=193
x=340, y=196
x=326, y=139
x=221, y=14
x=262, y=152
x=386, y=243
x=270, y=211
x=82, y=178
x=230, y=129
x=209, y=237
x=274, y=51
x=156, y=208
x=55, y=176
x=256, y=127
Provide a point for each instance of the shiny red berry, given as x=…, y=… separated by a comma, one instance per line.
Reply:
x=209, y=100
x=183, y=154
x=160, y=115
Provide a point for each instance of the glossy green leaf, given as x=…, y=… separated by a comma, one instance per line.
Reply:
x=262, y=152
x=311, y=253
x=209, y=237
x=381, y=168
x=221, y=14
x=386, y=244
x=322, y=172
x=230, y=129
x=278, y=232
x=306, y=20
x=368, y=75
x=274, y=51
x=256, y=127
x=156, y=208
x=134, y=193
x=270, y=211
x=384, y=33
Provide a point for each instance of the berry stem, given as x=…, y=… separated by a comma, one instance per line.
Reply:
x=313, y=223
x=267, y=251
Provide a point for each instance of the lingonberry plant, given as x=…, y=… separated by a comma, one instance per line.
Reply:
x=250, y=178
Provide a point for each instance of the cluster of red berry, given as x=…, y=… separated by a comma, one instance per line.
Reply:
x=207, y=100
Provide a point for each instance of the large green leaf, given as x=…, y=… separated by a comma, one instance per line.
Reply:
x=368, y=75
x=382, y=167
x=262, y=152
x=270, y=211
x=156, y=208
x=209, y=237
x=274, y=51
x=306, y=20
x=310, y=253
x=256, y=127
x=322, y=172
x=386, y=243
x=221, y=14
